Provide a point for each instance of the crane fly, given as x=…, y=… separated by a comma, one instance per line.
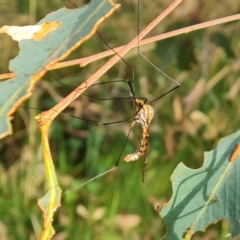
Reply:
x=143, y=115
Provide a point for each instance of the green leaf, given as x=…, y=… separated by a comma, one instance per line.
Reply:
x=205, y=195
x=35, y=57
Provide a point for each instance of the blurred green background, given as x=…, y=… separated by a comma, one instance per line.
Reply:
x=187, y=122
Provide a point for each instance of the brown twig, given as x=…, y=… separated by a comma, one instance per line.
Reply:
x=84, y=61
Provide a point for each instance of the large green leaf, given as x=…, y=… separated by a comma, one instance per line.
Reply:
x=35, y=57
x=205, y=195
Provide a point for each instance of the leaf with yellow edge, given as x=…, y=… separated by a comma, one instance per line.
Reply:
x=49, y=204
x=36, y=32
x=62, y=32
x=206, y=195
x=52, y=200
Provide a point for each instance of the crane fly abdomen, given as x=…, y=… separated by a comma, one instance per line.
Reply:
x=143, y=116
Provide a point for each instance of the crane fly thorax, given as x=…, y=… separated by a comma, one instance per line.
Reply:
x=144, y=113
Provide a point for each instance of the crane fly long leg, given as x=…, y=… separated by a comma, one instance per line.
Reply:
x=145, y=162
x=143, y=115
x=90, y=180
